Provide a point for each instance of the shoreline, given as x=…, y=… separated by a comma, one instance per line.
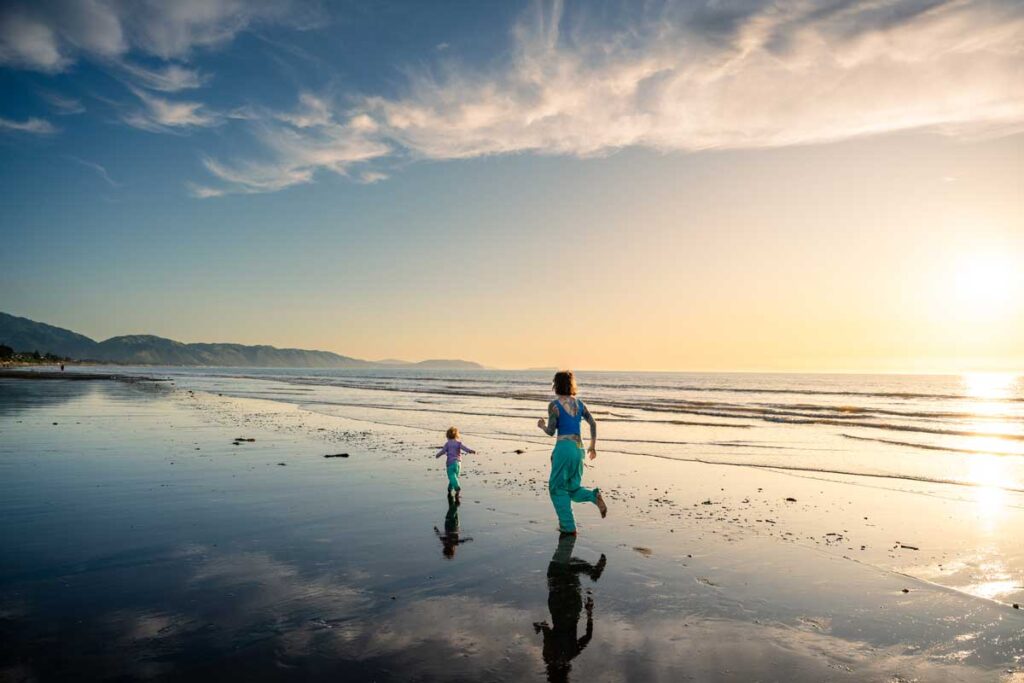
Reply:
x=82, y=376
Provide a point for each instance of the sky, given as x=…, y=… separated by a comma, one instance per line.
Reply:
x=726, y=185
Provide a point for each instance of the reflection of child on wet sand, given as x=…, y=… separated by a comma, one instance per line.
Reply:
x=565, y=602
x=450, y=537
x=454, y=450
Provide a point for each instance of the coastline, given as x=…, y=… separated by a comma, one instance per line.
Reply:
x=6, y=373
x=343, y=557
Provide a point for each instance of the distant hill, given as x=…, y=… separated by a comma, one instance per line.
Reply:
x=446, y=364
x=144, y=349
x=433, y=364
x=26, y=335
x=22, y=334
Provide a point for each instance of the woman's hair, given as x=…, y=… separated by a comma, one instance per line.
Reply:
x=564, y=383
x=452, y=433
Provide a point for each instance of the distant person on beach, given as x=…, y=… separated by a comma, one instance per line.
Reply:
x=450, y=540
x=453, y=465
x=62, y=367
x=565, y=602
x=565, y=485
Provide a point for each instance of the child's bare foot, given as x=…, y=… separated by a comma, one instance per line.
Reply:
x=601, y=505
x=458, y=496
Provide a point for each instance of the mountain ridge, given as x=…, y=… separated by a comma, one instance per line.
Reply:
x=26, y=335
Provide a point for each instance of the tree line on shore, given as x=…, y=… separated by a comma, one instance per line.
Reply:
x=9, y=355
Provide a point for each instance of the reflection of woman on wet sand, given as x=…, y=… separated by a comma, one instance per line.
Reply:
x=450, y=537
x=565, y=601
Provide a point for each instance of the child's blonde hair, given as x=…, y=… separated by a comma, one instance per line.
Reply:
x=452, y=433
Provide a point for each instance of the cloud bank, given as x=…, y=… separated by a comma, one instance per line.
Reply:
x=50, y=35
x=683, y=77
x=579, y=80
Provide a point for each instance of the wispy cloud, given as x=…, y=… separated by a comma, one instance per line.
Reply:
x=370, y=177
x=203, y=191
x=159, y=115
x=26, y=41
x=679, y=77
x=300, y=143
x=169, y=78
x=98, y=168
x=63, y=104
x=312, y=111
x=32, y=125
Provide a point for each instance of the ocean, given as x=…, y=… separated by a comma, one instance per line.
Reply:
x=966, y=432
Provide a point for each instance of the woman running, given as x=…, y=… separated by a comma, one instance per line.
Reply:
x=565, y=414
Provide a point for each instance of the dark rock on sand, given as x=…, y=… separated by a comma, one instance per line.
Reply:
x=337, y=455
x=519, y=451
x=791, y=500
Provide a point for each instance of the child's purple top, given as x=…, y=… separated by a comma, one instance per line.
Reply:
x=454, y=450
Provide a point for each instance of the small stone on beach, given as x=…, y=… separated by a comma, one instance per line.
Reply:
x=790, y=500
x=336, y=455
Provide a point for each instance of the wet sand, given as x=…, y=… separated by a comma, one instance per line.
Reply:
x=144, y=540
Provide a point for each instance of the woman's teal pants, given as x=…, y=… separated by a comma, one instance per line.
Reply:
x=565, y=483
x=453, y=476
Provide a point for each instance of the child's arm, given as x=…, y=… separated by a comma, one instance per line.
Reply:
x=441, y=452
x=466, y=449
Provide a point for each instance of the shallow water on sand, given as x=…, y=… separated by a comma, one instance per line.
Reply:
x=141, y=540
x=878, y=443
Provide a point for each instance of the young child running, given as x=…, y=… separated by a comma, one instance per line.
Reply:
x=454, y=450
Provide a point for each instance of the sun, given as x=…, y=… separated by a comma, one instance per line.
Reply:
x=985, y=285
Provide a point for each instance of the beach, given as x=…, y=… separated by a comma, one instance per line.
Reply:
x=193, y=528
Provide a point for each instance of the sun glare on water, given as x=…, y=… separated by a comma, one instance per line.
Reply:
x=989, y=387
x=990, y=473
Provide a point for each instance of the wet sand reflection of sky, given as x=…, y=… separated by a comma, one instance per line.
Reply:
x=241, y=568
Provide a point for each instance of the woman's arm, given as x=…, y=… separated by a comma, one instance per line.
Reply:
x=593, y=431
x=551, y=426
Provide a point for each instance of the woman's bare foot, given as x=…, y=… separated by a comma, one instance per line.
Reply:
x=601, y=505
